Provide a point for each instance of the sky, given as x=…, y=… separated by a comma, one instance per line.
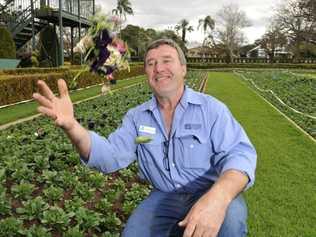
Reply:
x=164, y=14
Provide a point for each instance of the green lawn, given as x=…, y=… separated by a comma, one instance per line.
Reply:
x=19, y=111
x=283, y=200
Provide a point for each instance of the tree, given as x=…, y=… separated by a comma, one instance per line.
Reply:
x=297, y=20
x=229, y=34
x=184, y=27
x=123, y=8
x=273, y=39
x=206, y=24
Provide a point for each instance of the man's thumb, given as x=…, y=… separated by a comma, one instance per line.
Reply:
x=183, y=222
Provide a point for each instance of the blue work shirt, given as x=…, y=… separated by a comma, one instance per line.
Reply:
x=204, y=141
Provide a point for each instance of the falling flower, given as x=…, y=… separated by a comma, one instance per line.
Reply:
x=104, y=52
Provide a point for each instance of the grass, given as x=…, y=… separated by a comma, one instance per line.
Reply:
x=283, y=199
x=12, y=113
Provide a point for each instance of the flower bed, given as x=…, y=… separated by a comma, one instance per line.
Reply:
x=45, y=191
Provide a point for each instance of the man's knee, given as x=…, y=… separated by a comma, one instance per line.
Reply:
x=235, y=222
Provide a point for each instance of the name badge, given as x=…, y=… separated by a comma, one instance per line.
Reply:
x=147, y=129
x=193, y=126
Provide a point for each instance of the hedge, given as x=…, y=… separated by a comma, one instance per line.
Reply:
x=253, y=65
x=20, y=86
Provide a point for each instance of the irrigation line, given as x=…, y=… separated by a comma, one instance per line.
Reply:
x=4, y=126
x=262, y=90
x=284, y=115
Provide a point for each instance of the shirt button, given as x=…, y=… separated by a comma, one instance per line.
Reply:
x=191, y=146
x=178, y=185
x=173, y=164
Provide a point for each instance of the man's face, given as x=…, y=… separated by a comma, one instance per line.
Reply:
x=164, y=71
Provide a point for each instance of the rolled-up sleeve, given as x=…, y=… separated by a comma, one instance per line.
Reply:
x=115, y=152
x=233, y=149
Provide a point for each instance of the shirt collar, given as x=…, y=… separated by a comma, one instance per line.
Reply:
x=189, y=96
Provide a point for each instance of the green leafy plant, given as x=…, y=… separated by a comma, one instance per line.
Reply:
x=74, y=232
x=53, y=193
x=37, y=231
x=97, y=180
x=74, y=204
x=32, y=208
x=41, y=163
x=88, y=219
x=84, y=191
x=23, y=173
x=104, y=205
x=11, y=227
x=56, y=218
x=23, y=190
x=2, y=176
x=68, y=179
x=5, y=204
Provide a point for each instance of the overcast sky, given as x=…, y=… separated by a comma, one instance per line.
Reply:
x=163, y=14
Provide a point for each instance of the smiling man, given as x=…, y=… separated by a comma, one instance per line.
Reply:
x=198, y=161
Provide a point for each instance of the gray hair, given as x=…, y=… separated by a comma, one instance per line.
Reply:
x=155, y=44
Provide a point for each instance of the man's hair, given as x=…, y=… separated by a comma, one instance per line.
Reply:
x=155, y=44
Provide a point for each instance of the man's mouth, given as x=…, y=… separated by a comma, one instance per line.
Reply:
x=161, y=78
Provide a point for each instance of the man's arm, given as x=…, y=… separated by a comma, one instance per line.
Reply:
x=208, y=213
x=60, y=109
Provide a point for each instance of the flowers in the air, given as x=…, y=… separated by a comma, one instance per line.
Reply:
x=104, y=52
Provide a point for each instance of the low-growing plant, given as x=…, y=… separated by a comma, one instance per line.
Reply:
x=84, y=191
x=53, y=193
x=73, y=204
x=23, y=173
x=68, y=179
x=32, y=208
x=2, y=176
x=112, y=221
x=37, y=231
x=57, y=218
x=5, y=204
x=48, y=177
x=87, y=219
x=11, y=227
x=97, y=180
x=104, y=205
x=41, y=163
x=74, y=232
x=23, y=190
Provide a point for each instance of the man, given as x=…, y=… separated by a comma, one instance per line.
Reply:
x=198, y=161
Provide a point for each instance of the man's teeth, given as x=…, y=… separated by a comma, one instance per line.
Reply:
x=160, y=78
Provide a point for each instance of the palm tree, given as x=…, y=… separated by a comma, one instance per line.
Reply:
x=123, y=8
x=207, y=23
x=184, y=26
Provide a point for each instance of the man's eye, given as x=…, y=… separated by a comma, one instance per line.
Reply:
x=166, y=61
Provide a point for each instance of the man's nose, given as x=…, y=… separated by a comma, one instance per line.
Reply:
x=159, y=67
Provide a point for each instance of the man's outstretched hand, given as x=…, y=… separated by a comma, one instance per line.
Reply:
x=60, y=109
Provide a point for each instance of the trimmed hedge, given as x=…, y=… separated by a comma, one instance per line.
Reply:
x=7, y=45
x=21, y=87
x=253, y=65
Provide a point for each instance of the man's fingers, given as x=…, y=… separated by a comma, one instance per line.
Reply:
x=62, y=87
x=42, y=100
x=45, y=90
x=189, y=230
x=47, y=112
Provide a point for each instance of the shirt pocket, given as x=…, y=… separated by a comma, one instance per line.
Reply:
x=196, y=150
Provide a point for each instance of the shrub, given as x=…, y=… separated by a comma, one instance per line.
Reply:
x=49, y=46
x=7, y=45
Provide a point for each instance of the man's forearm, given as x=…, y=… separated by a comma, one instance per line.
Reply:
x=228, y=186
x=80, y=138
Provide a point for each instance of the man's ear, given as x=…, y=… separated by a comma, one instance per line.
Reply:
x=184, y=70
